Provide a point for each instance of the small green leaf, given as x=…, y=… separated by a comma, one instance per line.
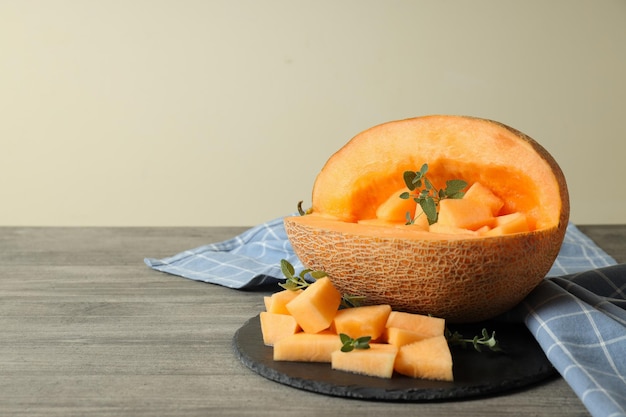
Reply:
x=318, y=274
x=409, y=176
x=430, y=209
x=424, y=170
x=405, y=195
x=349, y=344
x=454, y=188
x=286, y=268
x=429, y=185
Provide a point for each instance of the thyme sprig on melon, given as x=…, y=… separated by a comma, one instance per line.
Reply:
x=427, y=195
x=349, y=344
x=299, y=281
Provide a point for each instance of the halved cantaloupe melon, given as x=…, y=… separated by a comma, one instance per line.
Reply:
x=461, y=277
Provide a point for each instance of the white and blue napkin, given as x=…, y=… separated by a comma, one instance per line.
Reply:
x=577, y=314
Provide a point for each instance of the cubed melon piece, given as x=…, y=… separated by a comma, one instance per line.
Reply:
x=400, y=337
x=427, y=326
x=381, y=222
x=394, y=209
x=509, y=223
x=362, y=321
x=279, y=300
x=451, y=230
x=420, y=220
x=485, y=196
x=315, y=308
x=464, y=213
x=378, y=360
x=276, y=326
x=307, y=347
x=428, y=359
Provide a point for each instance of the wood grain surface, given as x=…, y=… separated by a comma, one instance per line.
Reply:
x=87, y=329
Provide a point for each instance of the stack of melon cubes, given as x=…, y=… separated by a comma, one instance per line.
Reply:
x=304, y=326
x=478, y=213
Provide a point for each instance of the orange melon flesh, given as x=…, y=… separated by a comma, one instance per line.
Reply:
x=307, y=347
x=483, y=195
x=278, y=301
x=464, y=214
x=362, y=321
x=359, y=177
x=446, y=229
x=508, y=224
x=377, y=361
x=315, y=308
x=395, y=209
x=400, y=337
x=428, y=359
x=276, y=326
x=427, y=326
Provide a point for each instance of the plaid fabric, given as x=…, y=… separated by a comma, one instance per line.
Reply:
x=577, y=314
x=580, y=322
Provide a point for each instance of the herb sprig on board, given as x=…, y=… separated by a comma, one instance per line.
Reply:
x=485, y=340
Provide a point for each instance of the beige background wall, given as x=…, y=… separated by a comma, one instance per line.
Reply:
x=190, y=112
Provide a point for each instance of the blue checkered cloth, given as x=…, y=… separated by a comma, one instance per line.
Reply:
x=577, y=314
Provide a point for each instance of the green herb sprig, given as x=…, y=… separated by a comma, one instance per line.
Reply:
x=299, y=281
x=485, y=340
x=295, y=281
x=349, y=344
x=429, y=196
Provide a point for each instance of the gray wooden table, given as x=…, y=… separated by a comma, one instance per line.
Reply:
x=87, y=329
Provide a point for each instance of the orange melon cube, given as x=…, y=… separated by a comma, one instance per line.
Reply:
x=485, y=196
x=394, y=209
x=400, y=337
x=452, y=230
x=276, y=326
x=508, y=224
x=428, y=359
x=381, y=222
x=464, y=213
x=278, y=301
x=315, y=308
x=377, y=361
x=427, y=326
x=420, y=220
x=307, y=347
x=362, y=321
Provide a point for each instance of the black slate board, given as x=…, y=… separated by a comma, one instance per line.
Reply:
x=476, y=373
